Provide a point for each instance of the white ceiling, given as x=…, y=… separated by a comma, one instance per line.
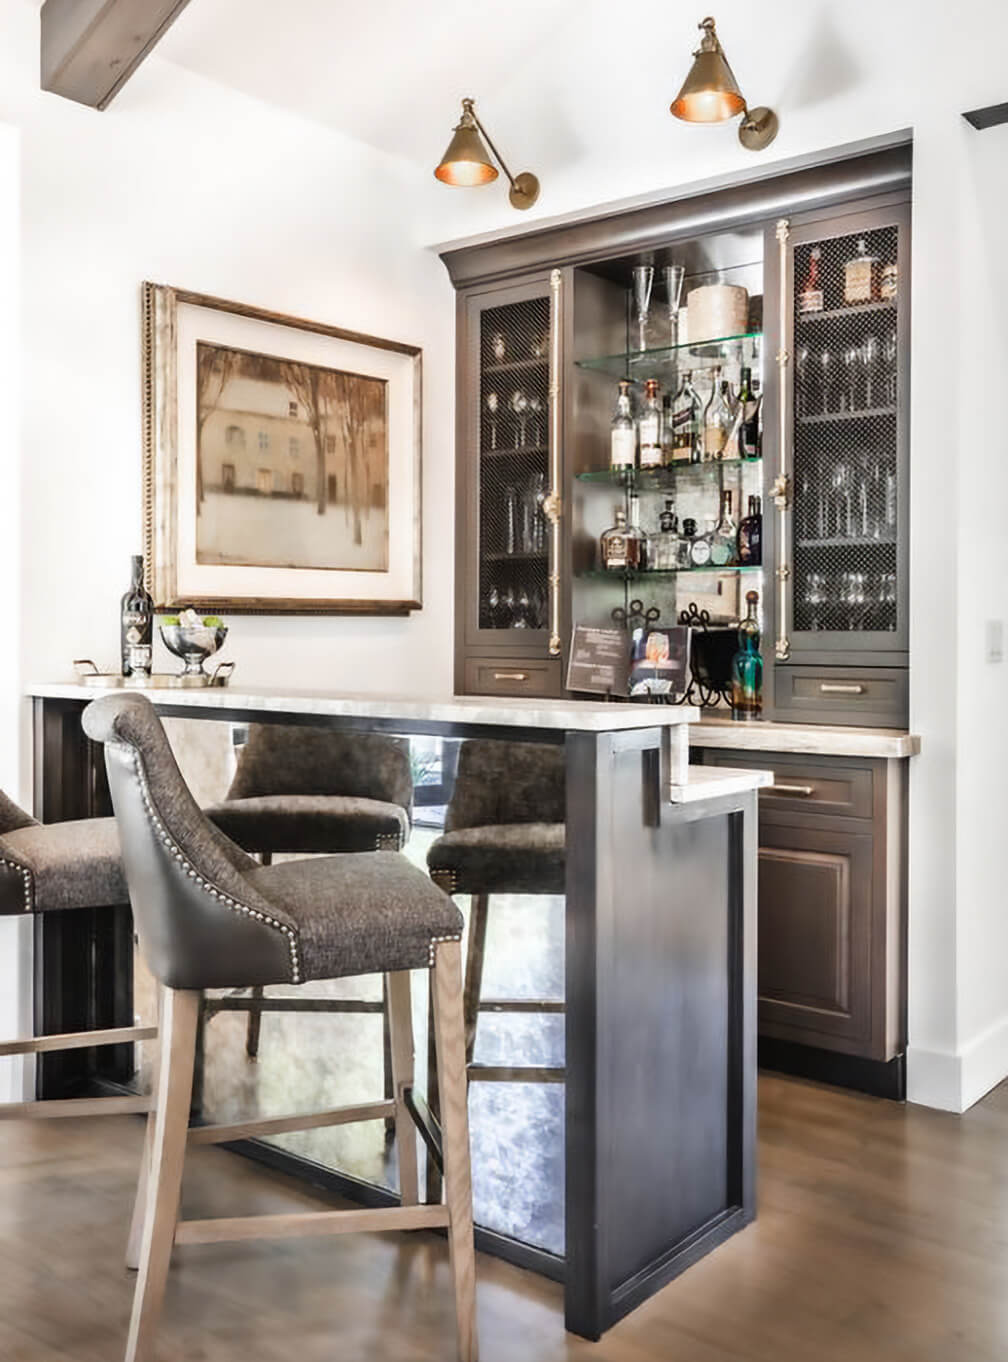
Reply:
x=387, y=72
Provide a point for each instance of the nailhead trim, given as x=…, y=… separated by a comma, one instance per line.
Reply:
x=194, y=874
x=436, y=941
x=388, y=841
x=446, y=880
x=26, y=877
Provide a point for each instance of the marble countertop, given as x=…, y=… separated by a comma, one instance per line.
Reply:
x=815, y=739
x=493, y=711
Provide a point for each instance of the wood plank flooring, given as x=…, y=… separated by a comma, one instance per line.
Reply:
x=882, y=1237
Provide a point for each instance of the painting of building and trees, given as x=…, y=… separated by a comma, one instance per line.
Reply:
x=292, y=463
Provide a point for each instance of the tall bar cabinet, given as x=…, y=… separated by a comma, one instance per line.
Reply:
x=549, y=317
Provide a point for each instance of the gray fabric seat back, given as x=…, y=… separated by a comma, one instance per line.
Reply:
x=12, y=816
x=200, y=921
x=283, y=759
x=508, y=782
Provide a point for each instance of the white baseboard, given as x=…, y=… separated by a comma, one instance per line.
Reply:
x=954, y=1082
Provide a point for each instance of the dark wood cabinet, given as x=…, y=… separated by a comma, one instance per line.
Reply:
x=832, y=903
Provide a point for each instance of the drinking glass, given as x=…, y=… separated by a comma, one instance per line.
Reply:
x=825, y=377
x=801, y=370
x=535, y=407
x=816, y=597
x=498, y=346
x=520, y=616
x=510, y=519
x=850, y=365
x=492, y=404
x=520, y=406
x=842, y=517
x=643, y=281
x=869, y=362
x=889, y=355
x=674, y=276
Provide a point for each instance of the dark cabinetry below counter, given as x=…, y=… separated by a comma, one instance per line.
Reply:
x=832, y=915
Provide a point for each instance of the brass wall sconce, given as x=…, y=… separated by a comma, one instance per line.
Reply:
x=710, y=94
x=468, y=162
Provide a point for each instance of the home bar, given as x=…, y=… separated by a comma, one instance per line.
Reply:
x=498, y=784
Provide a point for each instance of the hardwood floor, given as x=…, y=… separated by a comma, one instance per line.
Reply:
x=882, y=1235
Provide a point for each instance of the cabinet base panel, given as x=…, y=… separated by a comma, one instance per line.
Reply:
x=875, y=1077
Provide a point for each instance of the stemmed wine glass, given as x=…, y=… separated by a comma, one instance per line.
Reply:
x=869, y=362
x=801, y=369
x=492, y=404
x=889, y=355
x=643, y=280
x=535, y=408
x=826, y=377
x=850, y=364
x=520, y=407
x=674, y=276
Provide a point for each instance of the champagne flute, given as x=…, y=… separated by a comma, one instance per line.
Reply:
x=520, y=406
x=674, y=276
x=801, y=368
x=643, y=281
x=869, y=362
x=850, y=364
x=535, y=408
x=889, y=355
x=825, y=377
x=492, y=404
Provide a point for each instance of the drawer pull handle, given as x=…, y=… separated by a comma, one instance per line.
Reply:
x=838, y=688
x=510, y=676
x=803, y=790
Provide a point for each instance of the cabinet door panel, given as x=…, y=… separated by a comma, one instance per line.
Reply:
x=815, y=892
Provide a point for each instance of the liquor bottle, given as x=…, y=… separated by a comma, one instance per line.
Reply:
x=810, y=299
x=731, y=449
x=668, y=432
x=747, y=666
x=643, y=550
x=717, y=420
x=664, y=557
x=686, y=445
x=686, y=542
x=620, y=547
x=700, y=546
x=750, y=400
x=889, y=281
x=623, y=438
x=750, y=535
x=649, y=427
x=137, y=625
x=862, y=276
x=724, y=540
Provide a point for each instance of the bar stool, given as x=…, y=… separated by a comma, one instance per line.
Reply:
x=208, y=916
x=309, y=791
x=504, y=834
x=57, y=868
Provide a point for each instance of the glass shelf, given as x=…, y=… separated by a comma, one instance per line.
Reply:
x=860, y=542
x=852, y=310
x=599, y=574
x=637, y=365
x=522, y=452
x=656, y=479
x=860, y=414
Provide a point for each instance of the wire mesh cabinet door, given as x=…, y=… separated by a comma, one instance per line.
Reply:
x=840, y=495
x=508, y=475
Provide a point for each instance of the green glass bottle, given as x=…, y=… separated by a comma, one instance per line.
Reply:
x=747, y=666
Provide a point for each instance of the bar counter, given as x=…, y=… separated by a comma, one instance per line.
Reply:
x=659, y=969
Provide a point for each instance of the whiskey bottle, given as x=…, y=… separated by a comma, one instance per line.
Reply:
x=686, y=445
x=137, y=625
x=620, y=547
x=700, y=546
x=862, y=276
x=623, y=437
x=747, y=666
x=717, y=419
x=810, y=298
x=649, y=427
x=750, y=535
x=636, y=533
x=724, y=540
x=665, y=543
x=750, y=401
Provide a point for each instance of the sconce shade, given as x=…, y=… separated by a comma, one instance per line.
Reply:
x=467, y=161
x=710, y=92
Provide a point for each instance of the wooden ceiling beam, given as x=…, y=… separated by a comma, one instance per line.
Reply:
x=90, y=48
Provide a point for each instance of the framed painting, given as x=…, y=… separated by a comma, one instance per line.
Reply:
x=281, y=462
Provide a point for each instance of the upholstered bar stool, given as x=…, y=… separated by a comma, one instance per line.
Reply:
x=504, y=834
x=310, y=791
x=58, y=868
x=209, y=916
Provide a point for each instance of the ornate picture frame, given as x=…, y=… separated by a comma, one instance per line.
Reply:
x=281, y=462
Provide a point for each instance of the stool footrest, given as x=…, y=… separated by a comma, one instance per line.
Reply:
x=520, y=1005
x=427, y=1124
x=308, y=1223
x=231, y=1004
x=77, y=1040
x=74, y=1106
x=526, y=1073
x=278, y=1125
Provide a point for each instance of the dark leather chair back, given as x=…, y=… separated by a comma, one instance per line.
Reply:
x=12, y=816
x=280, y=759
x=507, y=782
x=199, y=920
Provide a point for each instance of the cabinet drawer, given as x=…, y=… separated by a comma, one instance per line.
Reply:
x=837, y=787
x=869, y=696
x=513, y=676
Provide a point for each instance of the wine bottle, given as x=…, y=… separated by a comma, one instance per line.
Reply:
x=650, y=427
x=750, y=535
x=137, y=625
x=810, y=299
x=623, y=436
x=747, y=666
x=749, y=425
x=725, y=537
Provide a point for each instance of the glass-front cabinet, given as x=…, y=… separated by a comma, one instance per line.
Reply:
x=840, y=522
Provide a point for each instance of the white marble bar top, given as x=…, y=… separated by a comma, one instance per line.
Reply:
x=493, y=711
x=814, y=739
x=708, y=782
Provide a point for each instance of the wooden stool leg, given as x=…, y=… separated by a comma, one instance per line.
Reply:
x=399, y=1018
x=254, y=1025
x=478, y=915
x=388, y=1078
x=147, y=1153
x=179, y=1015
x=453, y=1089
x=434, y=1187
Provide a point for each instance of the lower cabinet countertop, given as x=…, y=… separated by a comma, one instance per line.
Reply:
x=815, y=739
